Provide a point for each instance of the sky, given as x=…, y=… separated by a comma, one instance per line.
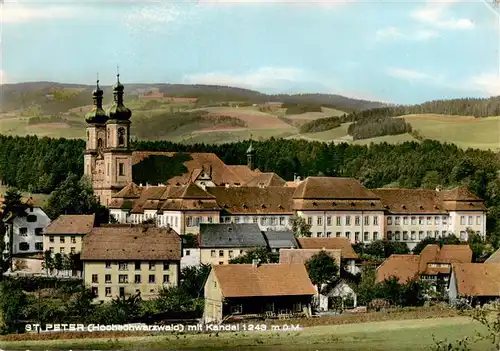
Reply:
x=403, y=52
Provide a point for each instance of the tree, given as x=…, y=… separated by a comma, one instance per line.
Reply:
x=193, y=279
x=481, y=250
x=12, y=206
x=13, y=304
x=445, y=240
x=48, y=261
x=175, y=299
x=322, y=269
x=58, y=262
x=76, y=196
x=300, y=226
x=263, y=255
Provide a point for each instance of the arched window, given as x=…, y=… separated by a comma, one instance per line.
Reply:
x=99, y=142
x=121, y=136
x=88, y=135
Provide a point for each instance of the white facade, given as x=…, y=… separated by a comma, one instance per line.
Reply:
x=190, y=257
x=26, y=232
x=461, y=221
x=358, y=226
x=281, y=222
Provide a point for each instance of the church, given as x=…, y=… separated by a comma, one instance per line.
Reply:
x=109, y=157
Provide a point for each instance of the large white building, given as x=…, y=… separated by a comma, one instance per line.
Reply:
x=24, y=234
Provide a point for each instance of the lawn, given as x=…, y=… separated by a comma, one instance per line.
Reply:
x=387, y=335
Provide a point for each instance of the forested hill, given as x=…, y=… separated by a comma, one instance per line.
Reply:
x=22, y=95
x=464, y=107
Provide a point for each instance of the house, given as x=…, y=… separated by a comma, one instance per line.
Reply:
x=24, y=233
x=279, y=240
x=270, y=207
x=65, y=234
x=348, y=255
x=253, y=290
x=415, y=214
x=477, y=282
x=220, y=243
x=433, y=264
x=191, y=253
x=339, y=207
x=122, y=260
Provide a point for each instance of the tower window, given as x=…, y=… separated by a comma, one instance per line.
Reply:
x=121, y=169
x=121, y=136
x=99, y=142
x=88, y=135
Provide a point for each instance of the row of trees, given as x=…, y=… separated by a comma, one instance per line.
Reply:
x=297, y=109
x=320, y=125
x=379, y=126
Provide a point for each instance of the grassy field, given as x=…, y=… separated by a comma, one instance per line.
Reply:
x=388, y=335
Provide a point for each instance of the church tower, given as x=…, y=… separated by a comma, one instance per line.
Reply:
x=118, y=152
x=96, y=142
x=250, y=156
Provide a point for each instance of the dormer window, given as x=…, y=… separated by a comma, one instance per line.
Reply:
x=263, y=206
x=471, y=204
x=353, y=204
x=280, y=207
x=334, y=203
x=436, y=207
x=387, y=207
x=372, y=204
x=230, y=229
x=314, y=203
x=245, y=206
x=403, y=207
x=421, y=207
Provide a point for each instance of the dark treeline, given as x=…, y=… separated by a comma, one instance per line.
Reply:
x=378, y=126
x=39, y=164
x=297, y=109
x=320, y=125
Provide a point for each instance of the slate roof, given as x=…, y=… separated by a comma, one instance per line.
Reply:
x=247, y=280
x=281, y=239
x=231, y=235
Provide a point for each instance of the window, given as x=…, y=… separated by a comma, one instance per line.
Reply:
x=121, y=136
x=210, y=219
x=122, y=292
x=121, y=169
x=366, y=236
x=188, y=252
x=413, y=220
x=389, y=220
x=319, y=220
x=24, y=246
x=420, y=235
x=256, y=219
x=230, y=253
x=413, y=235
x=339, y=220
x=107, y=278
x=166, y=266
x=61, y=250
x=398, y=235
x=39, y=246
x=445, y=219
x=397, y=221
x=319, y=234
x=31, y=218
x=389, y=235
x=189, y=221
x=151, y=278
x=470, y=221
x=212, y=253
x=152, y=266
x=237, y=309
x=420, y=220
x=375, y=220
x=405, y=220
x=436, y=233
x=329, y=221
x=23, y=231
x=309, y=220
x=478, y=220
x=405, y=235
x=221, y=253
x=436, y=220
x=51, y=249
x=221, y=263
x=166, y=278
x=123, y=278
x=123, y=267
x=236, y=220
x=337, y=234
x=38, y=231
x=375, y=236
x=108, y=291
x=443, y=233
x=328, y=234
x=367, y=220
x=347, y=220
x=462, y=220
x=108, y=265
x=62, y=239
x=95, y=291
x=137, y=279
x=73, y=240
x=95, y=278
x=282, y=220
x=429, y=233
x=429, y=220
x=356, y=236
x=462, y=235
x=348, y=235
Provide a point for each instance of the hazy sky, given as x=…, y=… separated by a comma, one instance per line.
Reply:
x=398, y=51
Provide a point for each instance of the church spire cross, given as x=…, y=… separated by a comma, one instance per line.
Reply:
x=118, y=73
